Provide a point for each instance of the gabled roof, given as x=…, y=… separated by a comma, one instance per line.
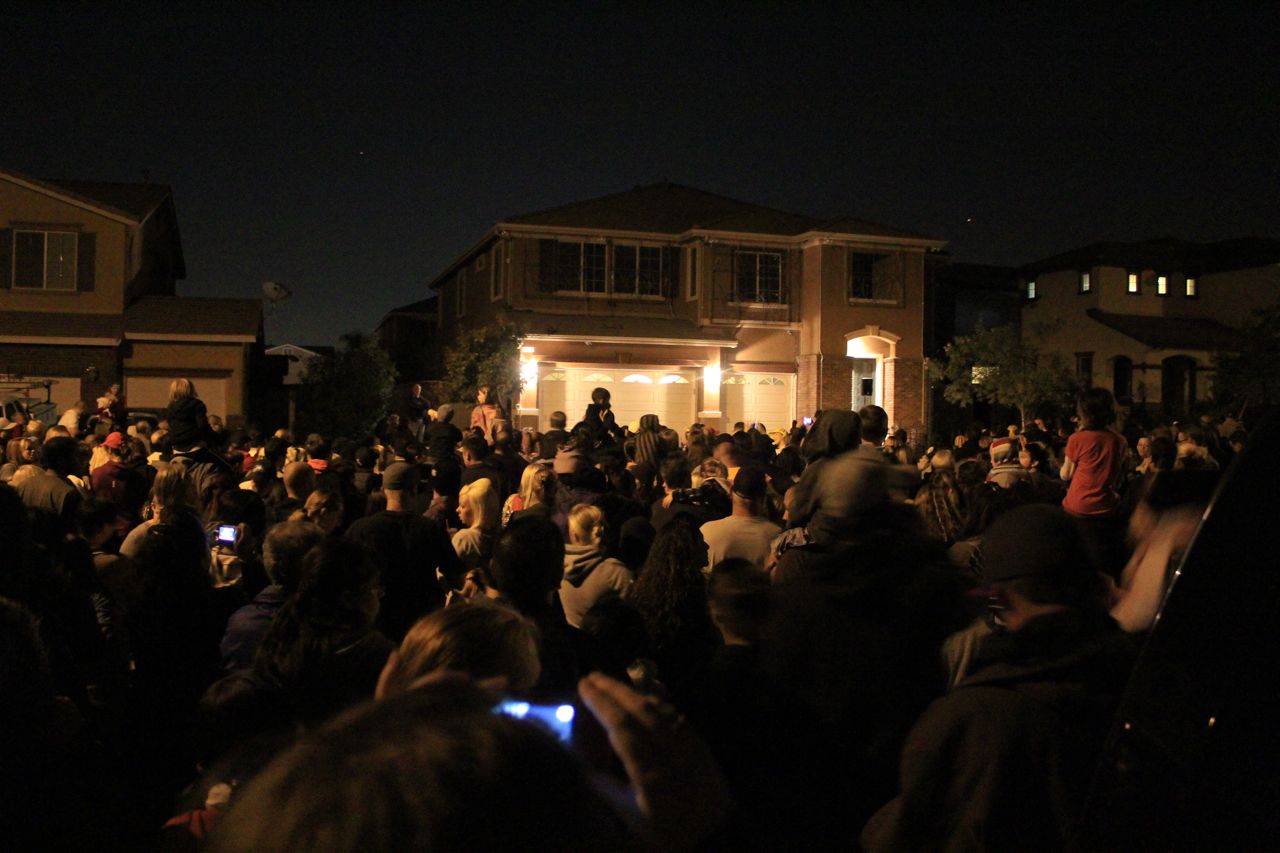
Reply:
x=194, y=318
x=671, y=209
x=1166, y=253
x=1157, y=332
x=136, y=200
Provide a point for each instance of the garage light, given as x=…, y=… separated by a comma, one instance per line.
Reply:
x=711, y=375
x=529, y=372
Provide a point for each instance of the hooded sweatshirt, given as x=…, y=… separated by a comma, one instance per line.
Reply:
x=588, y=576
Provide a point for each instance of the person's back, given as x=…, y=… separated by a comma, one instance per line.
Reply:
x=745, y=534
x=589, y=574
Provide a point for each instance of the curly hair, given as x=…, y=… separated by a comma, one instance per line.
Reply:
x=671, y=592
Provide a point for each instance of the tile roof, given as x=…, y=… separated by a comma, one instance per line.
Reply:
x=136, y=200
x=190, y=315
x=1166, y=253
x=1195, y=333
x=674, y=209
x=618, y=326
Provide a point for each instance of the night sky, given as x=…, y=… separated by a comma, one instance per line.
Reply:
x=351, y=153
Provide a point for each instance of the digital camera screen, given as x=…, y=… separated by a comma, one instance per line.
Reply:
x=227, y=533
x=558, y=718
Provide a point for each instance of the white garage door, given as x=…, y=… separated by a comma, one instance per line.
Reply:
x=152, y=392
x=633, y=393
x=764, y=398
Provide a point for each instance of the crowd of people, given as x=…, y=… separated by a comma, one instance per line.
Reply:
x=825, y=637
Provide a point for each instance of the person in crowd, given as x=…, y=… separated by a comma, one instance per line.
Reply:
x=441, y=437
x=1006, y=472
x=411, y=550
x=416, y=409
x=478, y=511
x=478, y=463
x=589, y=573
x=299, y=482
x=484, y=640
x=488, y=410
x=446, y=484
x=506, y=456
x=323, y=508
x=72, y=416
x=53, y=492
x=1004, y=760
x=745, y=534
x=1093, y=467
x=121, y=479
x=651, y=449
x=186, y=415
x=282, y=553
x=556, y=437
x=18, y=452
x=671, y=595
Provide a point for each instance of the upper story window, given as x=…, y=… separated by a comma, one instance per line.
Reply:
x=1086, y=284
x=758, y=277
x=1133, y=283
x=638, y=270
x=1191, y=287
x=873, y=276
x=1031, y=289
x=580, y=267
x=692, y=292
x=1162, y=285
x=45, y=260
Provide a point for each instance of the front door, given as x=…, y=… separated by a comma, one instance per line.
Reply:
x=864, y=383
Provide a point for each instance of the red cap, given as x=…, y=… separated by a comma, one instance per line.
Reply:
x=114, y=441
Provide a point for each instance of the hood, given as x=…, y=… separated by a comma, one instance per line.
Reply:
x=834, y=433
x=580, y=561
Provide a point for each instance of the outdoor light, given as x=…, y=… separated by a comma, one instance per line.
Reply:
x=527, y=348
x=711, y=375
x=529, y=372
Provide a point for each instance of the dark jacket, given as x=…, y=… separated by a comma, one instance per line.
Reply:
x=410, y=549
x=188, y=423
x=441, y=440
x=1003, y=762
x=248, y=626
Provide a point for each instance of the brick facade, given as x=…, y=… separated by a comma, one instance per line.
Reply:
x=904, y=393
x=836, y=387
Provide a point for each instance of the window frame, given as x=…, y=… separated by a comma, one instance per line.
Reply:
x=1084, y=282
x=1085, y=359
x=44, y=260
x=738, y=254
x=639, y=246
x=1133, y=283
x=1191, y=288
x=1029, y=290
x=692, y=282
x=896, y=299
x=582, y=268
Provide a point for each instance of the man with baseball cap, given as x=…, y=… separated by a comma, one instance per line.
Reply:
x=745, y=533
x=1003, y=761
x=1005, y=471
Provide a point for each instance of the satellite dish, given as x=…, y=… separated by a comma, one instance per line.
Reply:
x=275, y=292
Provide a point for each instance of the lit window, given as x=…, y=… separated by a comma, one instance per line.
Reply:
x=1031, y=289
x=772, y=380
x=1162, y=285
x=597, y=377
x=555, y=376
x=1085, y=283
x=759, y=278
x=1133, y=282
x=736, y=380
x=44, y=260
x=1191, y=287
x=638, y=377
x=673, y=379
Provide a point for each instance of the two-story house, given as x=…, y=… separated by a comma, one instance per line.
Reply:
x=1146, y=319
x=87, y=298
x=698, y=307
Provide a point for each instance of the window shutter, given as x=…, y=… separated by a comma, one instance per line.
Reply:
x=6, y=257
x=547, y=266
x=85, y=266
x=671, y=271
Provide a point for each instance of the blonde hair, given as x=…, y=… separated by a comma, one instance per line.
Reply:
x=586, y=524
x=527, y=481
x=100, y=456
x=483, y=501
x=480, y=639
x=180, y=389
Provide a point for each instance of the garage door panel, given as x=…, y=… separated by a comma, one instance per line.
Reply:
x=152, y=392
x=756, y=398
x=633, y=394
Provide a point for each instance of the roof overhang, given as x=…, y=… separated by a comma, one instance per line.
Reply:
x=43, y=340
x=634, y=341
x=70, y=198
x=193, y=339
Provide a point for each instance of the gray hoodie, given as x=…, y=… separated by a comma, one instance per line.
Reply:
x=588, y=576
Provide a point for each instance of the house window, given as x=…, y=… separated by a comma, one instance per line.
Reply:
x=1162, y=285
x=1085, y=284
x=673, y=379
x=638, y=270
x=758, y=277
x=495, y=274
x=1133, y=282
x=1031, y=289
x=1084, y=368
x=639, y=378
x=693, y=274
x=1191, y=288
x=44, y=260
x=873, y=276
x=580, y=267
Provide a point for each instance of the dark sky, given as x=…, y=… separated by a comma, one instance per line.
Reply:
x=352, y=152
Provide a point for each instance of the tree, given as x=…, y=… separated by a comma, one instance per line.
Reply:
x=485, y=355
x=998, y=366
x=347, y=394
x=1250, y=376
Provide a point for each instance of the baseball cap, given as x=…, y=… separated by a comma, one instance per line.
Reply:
x=114, y=441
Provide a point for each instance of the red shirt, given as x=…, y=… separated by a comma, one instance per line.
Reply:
x=1099, y=458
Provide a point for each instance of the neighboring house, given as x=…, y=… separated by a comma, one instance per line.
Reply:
x=297, y=360
x=87, y=278
x=698, y=307
x=1146, y=319
x=409, y=335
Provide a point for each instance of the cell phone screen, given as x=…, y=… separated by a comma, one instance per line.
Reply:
x=227, y=533
x=558, y=718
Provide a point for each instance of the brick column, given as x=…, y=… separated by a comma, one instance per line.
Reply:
x=835, y=389
x=904, y=392
x=808, y=372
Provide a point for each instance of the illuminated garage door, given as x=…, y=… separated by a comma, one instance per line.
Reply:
x=152, y=392
x=667, y=394
x=765, y=398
